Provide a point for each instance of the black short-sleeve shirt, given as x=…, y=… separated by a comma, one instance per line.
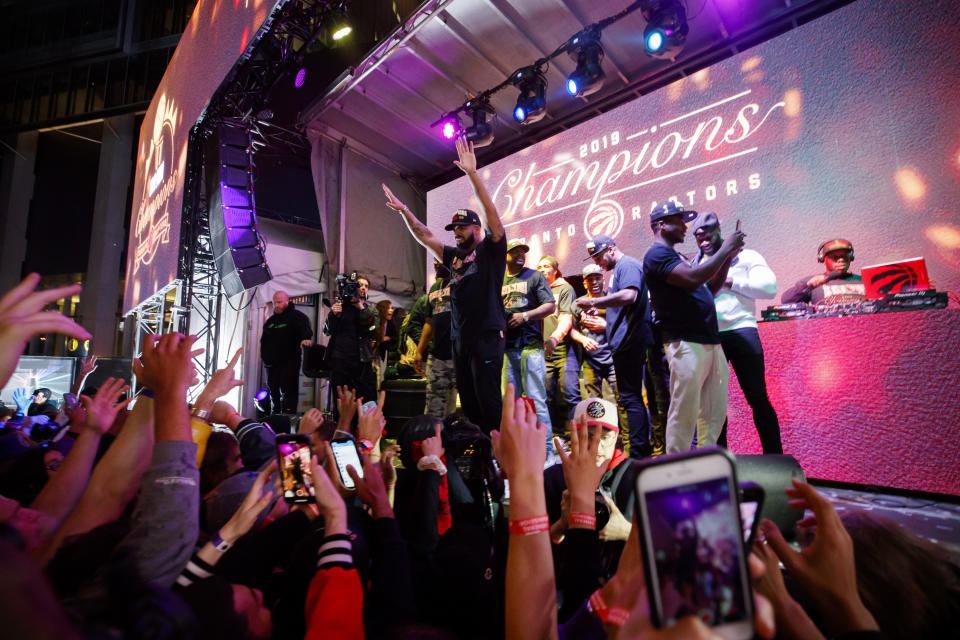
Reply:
x=629, y=326
x=682, y=314
x=524, y=292
x=438, y=310
x=475, y=287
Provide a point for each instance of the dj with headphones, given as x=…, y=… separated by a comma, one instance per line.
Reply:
x=837, y=284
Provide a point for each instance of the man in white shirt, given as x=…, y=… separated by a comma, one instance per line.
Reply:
x=735, y=289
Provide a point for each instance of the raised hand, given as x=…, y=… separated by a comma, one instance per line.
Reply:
x=825, y=569
x=166, y=363
x=257, y=499
x=222, y=381
x=580, y=469
x=310, y=421
x=22, y=318
x=370, y=424
x=22, y=398
x=222, y=412
x=102, y=409
x=468, y=159
x=433, y=446
x=516, y=444
x=371, y=488
x=346, y=406
x=393, y=201
x=329, y=502
x=87, y=366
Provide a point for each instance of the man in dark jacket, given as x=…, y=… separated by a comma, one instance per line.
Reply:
x=352, y=327
x=285, y=333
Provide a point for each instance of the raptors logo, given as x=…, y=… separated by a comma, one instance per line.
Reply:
x=604, y=217
x=897, y=278
x=596, y=410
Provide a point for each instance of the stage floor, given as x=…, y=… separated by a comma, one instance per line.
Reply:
x=929, y=518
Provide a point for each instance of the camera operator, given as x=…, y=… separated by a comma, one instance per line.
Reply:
x=285, y=333
x=352, y=326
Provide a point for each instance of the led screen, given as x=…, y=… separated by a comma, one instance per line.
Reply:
x=218, y=32
x=846, y=126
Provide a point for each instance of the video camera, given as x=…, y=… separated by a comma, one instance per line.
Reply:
x=348, y=287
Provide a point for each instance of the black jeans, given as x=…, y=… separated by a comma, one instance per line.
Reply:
x=478, y=363
x=563, y=386
x=745, y=354
x=354, y=374
x=283, y=382
x=629, y=364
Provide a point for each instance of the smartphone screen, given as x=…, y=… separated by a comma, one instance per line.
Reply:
x=295, y=474
x=345, y=453
x=694, y=544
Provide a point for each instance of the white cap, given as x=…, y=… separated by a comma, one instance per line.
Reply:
x=597, y=410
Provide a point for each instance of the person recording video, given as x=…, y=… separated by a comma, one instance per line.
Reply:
x=352, y=326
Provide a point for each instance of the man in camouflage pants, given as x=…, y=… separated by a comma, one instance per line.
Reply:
x=435, y=344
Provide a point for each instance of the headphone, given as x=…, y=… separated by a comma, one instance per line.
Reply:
x=821, y=254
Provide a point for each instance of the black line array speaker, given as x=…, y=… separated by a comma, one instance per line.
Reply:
x=238, y=249
x=773, y=473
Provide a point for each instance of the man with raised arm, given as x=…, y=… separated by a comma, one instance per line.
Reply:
x=477, y=264
x=687, y=318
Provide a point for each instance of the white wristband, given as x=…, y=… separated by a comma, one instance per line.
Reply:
x=432, y=462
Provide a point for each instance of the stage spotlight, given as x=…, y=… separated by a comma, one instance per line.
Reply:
x=339, y=27
x=300, y=78
x=480, y=133
x=666, y=30
x=449, y=126
x=260, y=401
x=532, y=101
x=586, y=50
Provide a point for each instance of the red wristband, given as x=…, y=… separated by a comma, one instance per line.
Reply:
x=598, y=606
x=588, y=520
x=617, y=616
x=530, y=526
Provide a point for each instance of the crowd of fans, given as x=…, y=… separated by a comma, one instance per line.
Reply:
x=154, y=523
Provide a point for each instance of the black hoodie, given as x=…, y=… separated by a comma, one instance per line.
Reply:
x=282, y=335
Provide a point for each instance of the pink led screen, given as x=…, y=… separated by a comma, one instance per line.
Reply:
x=847, y=126
x=215, y=37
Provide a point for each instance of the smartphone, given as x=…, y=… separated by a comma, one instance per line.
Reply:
x=738, y=225
x=345, y=454
x=692, y=542
x=296, y=478
x=751, y=503
x=70, y=401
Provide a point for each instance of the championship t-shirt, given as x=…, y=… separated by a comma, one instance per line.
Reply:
x=438, y=311
x=629, y=326
x=524, y=292
x=564, y=296
x=475, y=287
x=682, y=314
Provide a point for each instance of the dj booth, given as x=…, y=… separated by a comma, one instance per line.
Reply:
x=866, y=399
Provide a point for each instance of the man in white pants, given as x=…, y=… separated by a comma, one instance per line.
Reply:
x=687, y=317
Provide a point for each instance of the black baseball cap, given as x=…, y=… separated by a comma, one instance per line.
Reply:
x=598, y=243
x=671, y=208
x=706, y=219
x=463, y=217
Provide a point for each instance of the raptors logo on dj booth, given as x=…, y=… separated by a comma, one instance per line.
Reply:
x=605, y=217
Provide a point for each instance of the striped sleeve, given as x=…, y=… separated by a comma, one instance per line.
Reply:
x=335, y=551
x=195, y=571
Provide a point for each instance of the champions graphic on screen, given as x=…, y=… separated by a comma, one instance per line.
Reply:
x=606, y=173
x=153, y=216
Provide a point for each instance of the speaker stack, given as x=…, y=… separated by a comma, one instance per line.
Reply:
x=238, y=249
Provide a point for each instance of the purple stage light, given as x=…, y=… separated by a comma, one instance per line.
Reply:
x=449, y=130
x=261, y=395
x=301, y=77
